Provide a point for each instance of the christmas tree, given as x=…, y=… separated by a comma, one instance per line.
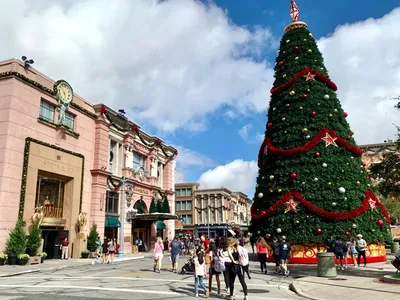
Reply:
x=312, y=183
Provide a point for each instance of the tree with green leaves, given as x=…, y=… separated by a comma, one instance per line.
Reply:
x=16, y=243
x=34, y=240
x=311, y=183
x=92, y=238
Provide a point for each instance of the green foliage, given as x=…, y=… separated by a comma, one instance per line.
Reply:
x=293, y=125
x=34, y=239
x=165, y=206
x=153, y=206
x=92, y=237
x=16, y=243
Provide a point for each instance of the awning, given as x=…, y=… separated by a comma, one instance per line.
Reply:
x=112, y=221
x=161, y=225
x=188, y=232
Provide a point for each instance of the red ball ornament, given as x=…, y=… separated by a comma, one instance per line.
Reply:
x=345, y=114
x=347, y=233
x=319, y=230
x=313, y=114
x=280, y=63
x=349, y=137
x=380, y=222
x=317, y=154
x=271, y=191
x=293, y=175
x=296, y=48
x=304, y=96
x=269, y=125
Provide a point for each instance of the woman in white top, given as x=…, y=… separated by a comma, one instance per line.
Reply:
x=223, y=255
x=199, y=272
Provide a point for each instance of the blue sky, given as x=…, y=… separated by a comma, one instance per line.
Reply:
x=198, y=73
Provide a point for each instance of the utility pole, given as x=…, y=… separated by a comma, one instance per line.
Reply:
x=208, y=221
x=121, y=232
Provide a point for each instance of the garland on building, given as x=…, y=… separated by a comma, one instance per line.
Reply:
x=135, y=129
x=44, y=89
x=112, y=184
x=28, y=141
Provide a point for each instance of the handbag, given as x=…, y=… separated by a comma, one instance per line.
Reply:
x=236, y=268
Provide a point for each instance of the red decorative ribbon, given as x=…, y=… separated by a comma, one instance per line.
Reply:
x=319, y=211
x=307, y=147
x=300, y=74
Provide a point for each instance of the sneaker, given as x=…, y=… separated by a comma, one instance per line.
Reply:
x=197, y=295
x=287, y=273
x=245, y=298
x=355, y=266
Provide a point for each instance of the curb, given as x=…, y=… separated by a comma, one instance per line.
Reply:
x=295, y=287
x=57, y=268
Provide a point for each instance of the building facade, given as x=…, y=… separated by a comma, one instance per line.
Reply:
x=63, y=161
x=211, y=212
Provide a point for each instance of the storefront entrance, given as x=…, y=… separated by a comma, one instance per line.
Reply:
x=52, y=239
x=141, y=229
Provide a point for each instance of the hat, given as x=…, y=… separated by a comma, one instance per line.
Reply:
x=359, y=235
x=283, y=237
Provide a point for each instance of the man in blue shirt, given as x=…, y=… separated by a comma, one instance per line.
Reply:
x=174, y=250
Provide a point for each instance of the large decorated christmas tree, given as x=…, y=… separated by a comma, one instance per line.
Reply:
x=312, y=183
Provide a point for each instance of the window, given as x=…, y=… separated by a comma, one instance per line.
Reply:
x=188, y=192
x=178, y=206
x=69, y=120
x=187, y=219
x=50, y=195
x=199, y=217
x=46, y=111
x=178, y=192
x=112, y=201
x=183, y=193
x=139, y=161
x=113, y=156
x=212, y=216
x=189, y=205
x=183, y=205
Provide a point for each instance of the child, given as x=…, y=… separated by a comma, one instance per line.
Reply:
x=199, y=271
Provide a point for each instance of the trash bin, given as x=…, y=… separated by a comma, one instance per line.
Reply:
x=326, y=264
x=395, y=247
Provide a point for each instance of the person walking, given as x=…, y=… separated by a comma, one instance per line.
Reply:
x=111, y=250
x=275, y=254
x=199, y=272
x=353, y=251
x=361, y=245
x=262, y=252
x=253, y=242
x=224, y=257
x=104, y=247
x=98, y=246
x=158, y=254
x=284, y=255
x=339, y=246
x=174, y=250
x=214, y=258
x=234, y=267
x=64, y=249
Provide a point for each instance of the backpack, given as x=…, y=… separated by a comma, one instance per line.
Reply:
x=244, y=257
x=219, y=264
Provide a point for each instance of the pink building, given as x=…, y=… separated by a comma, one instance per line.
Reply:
x=62, y=160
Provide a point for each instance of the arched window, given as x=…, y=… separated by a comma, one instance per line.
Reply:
x=141, y=207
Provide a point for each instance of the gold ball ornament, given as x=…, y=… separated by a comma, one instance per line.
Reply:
x=310, y=34
x=279, y=190
x=329, y=183
x=358, y=182
x=271, y=177
x=291, y=93
x=304, y=130
x=330, y=115
x=284, y=75
x=309, y=51
x=297, y=222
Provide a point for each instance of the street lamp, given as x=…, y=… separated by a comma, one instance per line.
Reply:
x=121, y=232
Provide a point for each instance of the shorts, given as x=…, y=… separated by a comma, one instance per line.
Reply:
x=111, y=252
x=98, y=248
x=213, y=272
x=339, y=255
x=175, y=258
x=284, y=260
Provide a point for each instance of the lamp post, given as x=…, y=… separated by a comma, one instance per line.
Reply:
x=121, y=232
x=208, y=222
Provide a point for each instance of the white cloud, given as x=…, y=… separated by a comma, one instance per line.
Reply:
x=189, y=158
x=168, y=63
x=363, y=59
x=238, y=175
x=249, y=137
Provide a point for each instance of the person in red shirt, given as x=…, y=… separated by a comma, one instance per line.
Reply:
x=64, y=248
x=262, y=251
x=116, y=247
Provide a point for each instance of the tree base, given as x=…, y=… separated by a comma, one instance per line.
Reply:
x=307, y=254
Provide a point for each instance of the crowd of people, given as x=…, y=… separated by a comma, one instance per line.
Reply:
x=106, y=250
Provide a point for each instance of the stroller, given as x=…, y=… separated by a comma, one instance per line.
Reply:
x=396, y=264
x=188, y=266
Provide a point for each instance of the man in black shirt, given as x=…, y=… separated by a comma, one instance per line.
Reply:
x=284, y=255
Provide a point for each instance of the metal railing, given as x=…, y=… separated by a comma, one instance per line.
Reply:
x=52, y=212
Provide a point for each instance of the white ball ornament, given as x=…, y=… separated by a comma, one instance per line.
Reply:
x=260, y=195
x=324, y=165
x=335, y=110
x=303, y=182
x=296, y=58
x=308, y=137
x=354, y=226
x=334, y=203
x=345, y=198
x=287, y=41
x=301, y=107
x=315, y=179
x=283, y=119
x=274, y=108
x=326, y=97
x=278, y=230
x=341, y=190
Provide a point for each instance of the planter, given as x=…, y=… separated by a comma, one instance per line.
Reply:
x=2, y=262
x=41, y=259
x=34, y=260
x=12, y=260
x=85, y=255
x=92, y=248
x=23, y=262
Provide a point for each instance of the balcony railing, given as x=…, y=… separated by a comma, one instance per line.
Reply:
x=52, y=212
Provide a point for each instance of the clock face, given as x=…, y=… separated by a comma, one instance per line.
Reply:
x=65, y=92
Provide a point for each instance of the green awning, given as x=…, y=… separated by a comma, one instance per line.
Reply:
x=112, y=221
x=161, y=225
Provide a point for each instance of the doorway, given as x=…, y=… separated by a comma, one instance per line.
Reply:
x=52, y=239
